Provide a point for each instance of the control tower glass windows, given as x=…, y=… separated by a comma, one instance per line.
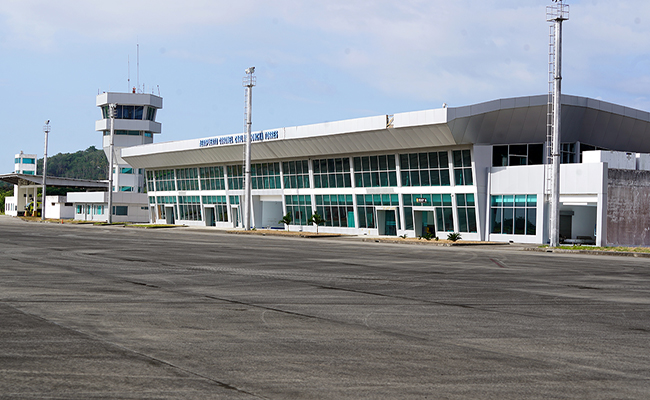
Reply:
x=128, y=112
x=151, y=114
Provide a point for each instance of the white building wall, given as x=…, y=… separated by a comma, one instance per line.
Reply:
x=583, y=191
x=11, y=207
x=614, y=159
x=56, y=208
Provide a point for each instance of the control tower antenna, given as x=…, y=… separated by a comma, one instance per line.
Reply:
x=138, y=65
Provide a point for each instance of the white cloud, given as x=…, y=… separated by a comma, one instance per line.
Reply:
x=427, y=49
x=37, y=23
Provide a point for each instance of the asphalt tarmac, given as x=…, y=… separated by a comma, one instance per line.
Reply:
x=91, y=312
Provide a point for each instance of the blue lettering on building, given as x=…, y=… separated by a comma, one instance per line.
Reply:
x=223, y=140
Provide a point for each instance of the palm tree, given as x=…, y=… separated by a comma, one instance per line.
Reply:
x=316, y=219
x=286, y=220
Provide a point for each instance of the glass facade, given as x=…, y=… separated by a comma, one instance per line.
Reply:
x=300, y=208
x=375, y=171
x=162, y=200
x=235, y=177
x=466, y=211
x=165, y=180
x=442, y=205
x=425, y=169
x=212, y=178
x=296, y=174
x=337, y=210
x=189, y=208
x=150, y=181
x=363, y=192
x=513, y=214
x=366, y=207
x=220, y=207
x=187, y=179
x=332, y=173
x=463, y=167
x=265, y=176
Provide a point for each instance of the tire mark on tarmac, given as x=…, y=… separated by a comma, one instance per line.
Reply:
x=138, y=353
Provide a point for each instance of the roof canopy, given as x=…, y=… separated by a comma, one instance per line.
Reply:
x=37, y=180
x=505, y=121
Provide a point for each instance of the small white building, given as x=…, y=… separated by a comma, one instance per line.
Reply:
x=93, y=206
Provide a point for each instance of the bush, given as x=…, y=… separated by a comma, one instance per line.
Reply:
x=454, y=236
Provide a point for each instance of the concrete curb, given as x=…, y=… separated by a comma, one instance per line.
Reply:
x=591, y=252
x=308, y=235
x=432, y=242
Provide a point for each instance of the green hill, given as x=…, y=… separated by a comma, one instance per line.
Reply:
x=84, y=164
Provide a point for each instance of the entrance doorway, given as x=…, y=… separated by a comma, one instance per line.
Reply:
x=424, y=223
x=565, y=226
x=387, y=222
x=209, y=216
x=169, y=215
x=234, y=216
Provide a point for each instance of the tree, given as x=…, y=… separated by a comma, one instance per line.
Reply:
x=316, y=219
x=4, y=193
x=286, y=220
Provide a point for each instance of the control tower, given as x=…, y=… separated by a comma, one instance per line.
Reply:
x=135, y=124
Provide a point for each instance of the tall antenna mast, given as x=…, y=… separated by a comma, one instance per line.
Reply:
x=556, y=13
x=128, y=74
x=138, y=65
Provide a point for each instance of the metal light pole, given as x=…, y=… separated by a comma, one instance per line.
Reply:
x=46, y=129
x=249, y=82
x=111, y=112
x=556, y=14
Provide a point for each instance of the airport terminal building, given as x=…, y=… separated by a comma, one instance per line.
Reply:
x=479, y=170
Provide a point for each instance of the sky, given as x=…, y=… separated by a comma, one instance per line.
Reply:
x=316, y=61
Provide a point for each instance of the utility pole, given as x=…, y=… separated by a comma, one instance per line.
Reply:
x=249, y=82
x=46, y=129
x=111, y=112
